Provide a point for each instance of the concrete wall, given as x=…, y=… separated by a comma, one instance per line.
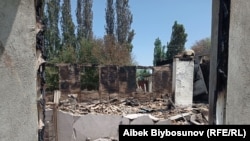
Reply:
x=72, y=127
x=183, y=77
x=238, y=90
x=229, y=97
x=213, y=61
x=18, y=107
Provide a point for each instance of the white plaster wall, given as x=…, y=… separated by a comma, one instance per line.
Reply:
x=183, y=76
x=18, y=107
x=238, y=90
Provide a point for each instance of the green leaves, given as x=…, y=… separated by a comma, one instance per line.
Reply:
x=159, y=51
x=177, y=41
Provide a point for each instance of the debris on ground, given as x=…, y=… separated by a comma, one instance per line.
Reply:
x=197, y=114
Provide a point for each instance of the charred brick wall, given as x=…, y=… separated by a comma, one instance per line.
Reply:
x=109, y=79
x=114, y=79
x=118, y=81
x=127, y=79
x=69, y=78
x=162, y=80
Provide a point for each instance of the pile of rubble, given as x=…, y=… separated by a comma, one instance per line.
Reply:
x=159, y=108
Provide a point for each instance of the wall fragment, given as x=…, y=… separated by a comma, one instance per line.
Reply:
x=127, y=80
x=18, y=71
x=183, y=82
x=162, y=80
x=69, y=78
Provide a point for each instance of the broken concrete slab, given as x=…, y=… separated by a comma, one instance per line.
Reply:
x=180, y=116
x=164, y=122
x=64, y=125
x=96, y=126
x=133, y=119
x=145, y=120
x=81, y=127
x=125, y=121
x=76, y=126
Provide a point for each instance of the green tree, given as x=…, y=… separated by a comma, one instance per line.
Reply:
x=130, y=38
x=86, y=52
x=177, y=41
x=84, y=17
x=68, y=55
x=124, y=19
x=141, y=74
x=52, y=78
x=87, y=19
x=90, y=78
x=159, y=51
x=52, y=39
x=68, y=27
x=110, y=23
x=79, y=18
x=118, y=39
x=110, y=18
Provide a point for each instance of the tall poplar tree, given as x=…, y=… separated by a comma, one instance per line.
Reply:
x=52, y=39
x=88, y=19
x=110, y=18
x=79, y=18
x=67, y=24
x=109, y=39
x=159, y=51
x=124, y=19
x=177, y=41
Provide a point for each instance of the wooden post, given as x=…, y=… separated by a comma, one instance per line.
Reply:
x=57, y=95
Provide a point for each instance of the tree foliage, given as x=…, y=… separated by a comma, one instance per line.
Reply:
x=86, y=52
x=124, y=19
x=68, y=55
x=90, y=78
x=113, y=53
x=201, y=46
x=159, y=51
x=52, y=78
x=84, y=17
x=177, y=41
x=118, y=39
x=79, y=18
x=67, y=25
x=141, y=74
x=115, y=48
x=87, y=19
x=110, y=18
x=52, y=37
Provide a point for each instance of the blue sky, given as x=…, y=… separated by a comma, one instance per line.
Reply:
x=155, y=18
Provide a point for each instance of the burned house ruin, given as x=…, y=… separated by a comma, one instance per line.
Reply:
x=23, y=86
